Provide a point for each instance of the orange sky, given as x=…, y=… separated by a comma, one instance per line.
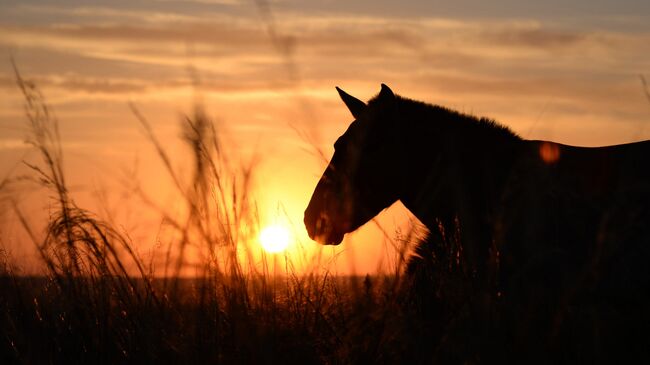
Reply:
x=267, y=78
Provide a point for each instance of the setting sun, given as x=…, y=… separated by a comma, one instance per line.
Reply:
x=275, y=238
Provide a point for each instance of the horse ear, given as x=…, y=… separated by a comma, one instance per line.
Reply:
x=387, y=99
x=386, y=93
x=356, y=106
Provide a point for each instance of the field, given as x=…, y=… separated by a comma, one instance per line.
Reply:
x=99, y=302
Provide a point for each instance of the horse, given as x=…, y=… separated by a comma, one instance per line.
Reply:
x=539, y=223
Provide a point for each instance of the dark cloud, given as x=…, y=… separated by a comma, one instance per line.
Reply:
x=77, y=83
x=183, y=32
x=537, y=38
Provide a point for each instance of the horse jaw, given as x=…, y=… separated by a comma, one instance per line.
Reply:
x=320, y=228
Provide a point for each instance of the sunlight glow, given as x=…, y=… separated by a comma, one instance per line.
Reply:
x=275, y=238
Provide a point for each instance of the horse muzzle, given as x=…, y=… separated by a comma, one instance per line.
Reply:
x=321, y=229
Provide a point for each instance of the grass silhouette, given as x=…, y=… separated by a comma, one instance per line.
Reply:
x=99, y=302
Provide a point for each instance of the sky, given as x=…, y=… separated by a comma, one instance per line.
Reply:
x=568, y=71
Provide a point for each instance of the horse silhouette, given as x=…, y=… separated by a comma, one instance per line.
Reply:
x=545, y=225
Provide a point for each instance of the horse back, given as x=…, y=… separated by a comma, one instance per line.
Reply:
x=581, y=213
x=598, y=173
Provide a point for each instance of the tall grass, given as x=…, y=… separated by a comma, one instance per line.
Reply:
x=99, y=302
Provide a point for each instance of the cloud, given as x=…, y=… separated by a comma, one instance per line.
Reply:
x=103, y=14
x=211, y=2
x=330, y=35
x=535, y=37
x=235, y=54
x=13, y=144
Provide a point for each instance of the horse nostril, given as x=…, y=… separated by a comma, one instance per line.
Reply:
x=316, y=226
x=321, y=223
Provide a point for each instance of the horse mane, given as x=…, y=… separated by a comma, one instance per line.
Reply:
x=418, y=110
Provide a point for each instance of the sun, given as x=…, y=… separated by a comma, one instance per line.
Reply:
x=275, y=238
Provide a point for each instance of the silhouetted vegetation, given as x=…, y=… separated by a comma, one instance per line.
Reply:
x=100, y=303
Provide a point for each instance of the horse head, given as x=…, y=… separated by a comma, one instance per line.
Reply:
x=363, y=176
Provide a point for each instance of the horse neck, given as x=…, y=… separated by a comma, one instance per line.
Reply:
x=455, y=163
